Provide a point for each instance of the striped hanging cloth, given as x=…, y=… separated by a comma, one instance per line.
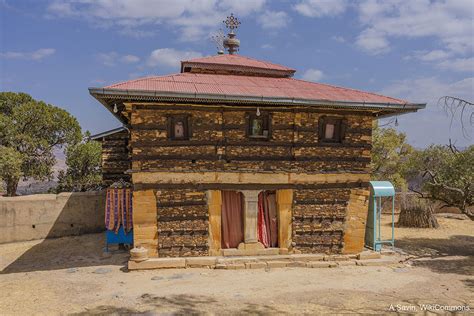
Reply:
x=129, y=210
x=118, y=209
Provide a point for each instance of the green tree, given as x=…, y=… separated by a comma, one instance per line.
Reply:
x=11, y=100
x=390, y=156
x=447, y=175
x=10, y=165
x=83, y=171
x=33, y=129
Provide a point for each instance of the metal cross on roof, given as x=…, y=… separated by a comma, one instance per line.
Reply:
x=218, y=39
x=231, y=22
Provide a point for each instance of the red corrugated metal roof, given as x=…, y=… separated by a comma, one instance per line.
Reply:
x=238, y=61
x=251, y=86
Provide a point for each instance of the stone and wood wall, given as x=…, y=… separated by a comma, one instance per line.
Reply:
x=181, y=178
x=116, y=159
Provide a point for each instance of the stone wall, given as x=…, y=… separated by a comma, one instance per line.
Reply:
x=318, y=220
x=219, y=155
x=218, y=142
x=49, y=215
x=115, y=157
x=183, y=226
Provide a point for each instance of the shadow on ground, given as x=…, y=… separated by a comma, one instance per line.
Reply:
x=82, y=247
x=179, y=305
x=66, y=252
x=469, y=283
x=453, y=255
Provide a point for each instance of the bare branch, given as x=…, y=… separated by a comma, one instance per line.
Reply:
x=452, y=106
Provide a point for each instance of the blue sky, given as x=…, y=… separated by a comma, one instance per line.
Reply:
x=416, y=50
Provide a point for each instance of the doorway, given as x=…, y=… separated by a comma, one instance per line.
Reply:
x=232, y=219
x=267, y=222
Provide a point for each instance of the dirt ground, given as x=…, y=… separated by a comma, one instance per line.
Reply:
x=71, y=276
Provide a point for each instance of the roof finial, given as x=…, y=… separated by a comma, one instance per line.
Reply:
x=230, y=42
x=218, y=39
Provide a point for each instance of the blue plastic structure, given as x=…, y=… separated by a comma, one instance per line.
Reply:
x=118, y=238
x=373, y=238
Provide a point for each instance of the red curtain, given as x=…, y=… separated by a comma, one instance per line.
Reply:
x=267, y=228
x=232, y=219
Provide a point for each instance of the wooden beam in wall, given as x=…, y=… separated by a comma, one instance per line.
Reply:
x=247, y=178
x=242, y=107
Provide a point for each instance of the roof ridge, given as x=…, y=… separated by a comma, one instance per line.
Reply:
x=351, y=89
x=264, y=62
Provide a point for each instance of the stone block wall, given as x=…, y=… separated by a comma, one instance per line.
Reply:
x=318, y=220
x=182, y=177
x=115, y=157
x=183, y=223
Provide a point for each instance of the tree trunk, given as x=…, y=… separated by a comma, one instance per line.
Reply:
x=12, y=184
x=469, y=213
x=418, y=214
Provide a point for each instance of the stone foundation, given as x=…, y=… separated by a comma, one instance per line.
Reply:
x=265, y=262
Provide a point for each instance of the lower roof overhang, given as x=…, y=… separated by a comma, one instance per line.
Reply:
x=111, y=97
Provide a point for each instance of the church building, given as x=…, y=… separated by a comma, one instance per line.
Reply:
x=234, y=156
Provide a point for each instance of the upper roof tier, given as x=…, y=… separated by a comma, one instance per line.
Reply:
x=236, y=65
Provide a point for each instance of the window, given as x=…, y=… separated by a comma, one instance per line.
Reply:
x=178, y=128
x=331, y=129
x=259, y=126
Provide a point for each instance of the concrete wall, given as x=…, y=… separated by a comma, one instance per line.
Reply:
x=49, y=215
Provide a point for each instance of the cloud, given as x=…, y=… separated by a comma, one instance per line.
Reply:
x=243, y=7
x=274, y=19
x=448, y=21
x=170, y=57
x=433, y=55
x=192, y=19
x=36, y=55
x=338, y=38
x=431, y=123
x=382, y=21
x=458, y=64
x=113, y=58
x=444, y=60
x=136, y=33
x=312, y=75
x=320, y=8
x=430, y=89
x=130, y=59
x=372, y=42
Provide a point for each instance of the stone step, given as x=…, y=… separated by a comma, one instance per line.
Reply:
x=321, y=264
x=369, y=255
x=250, y=252
x=267, y=261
